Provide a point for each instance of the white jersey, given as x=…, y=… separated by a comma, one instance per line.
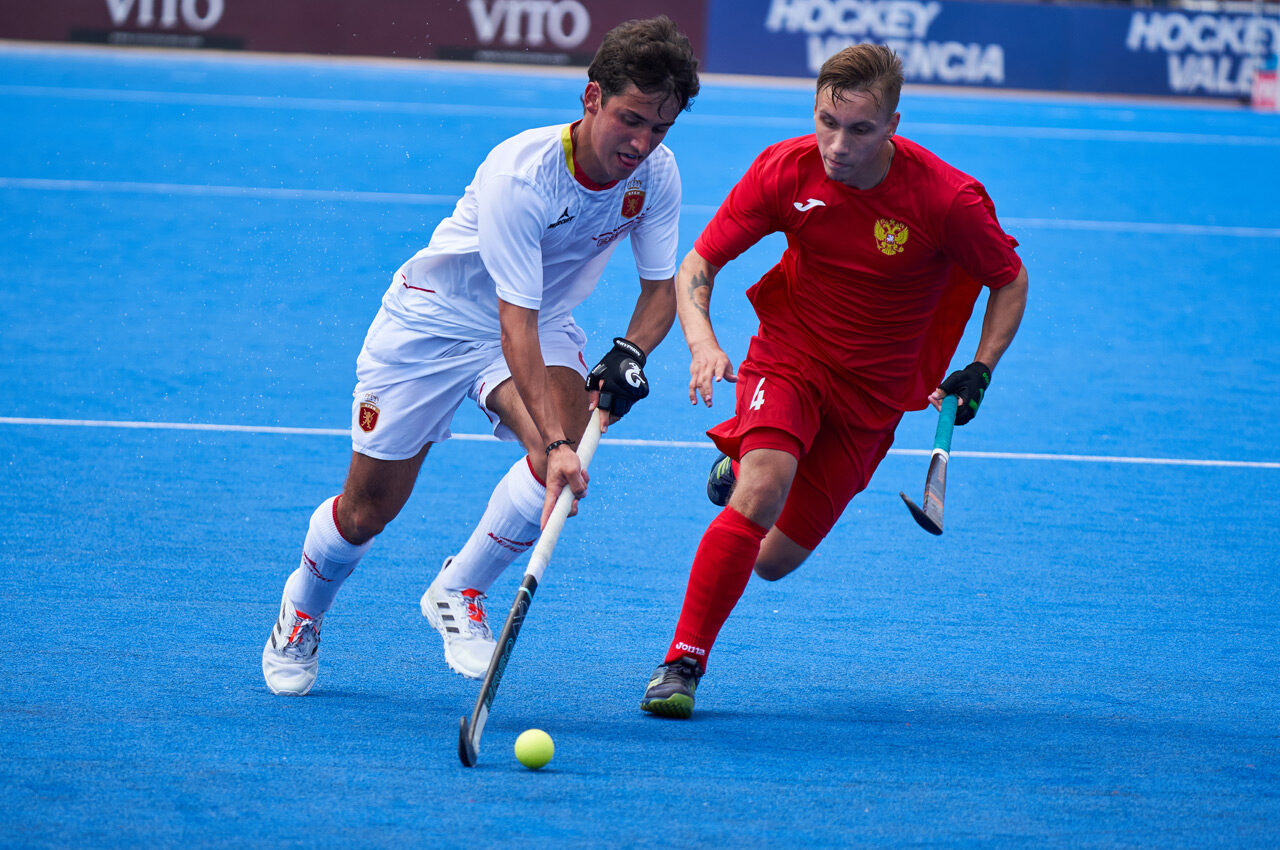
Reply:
x=528, y=232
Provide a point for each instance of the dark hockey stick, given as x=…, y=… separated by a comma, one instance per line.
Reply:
x=469, y=731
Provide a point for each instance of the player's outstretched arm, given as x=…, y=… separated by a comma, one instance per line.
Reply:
x=1005, y=307
x=708, y=362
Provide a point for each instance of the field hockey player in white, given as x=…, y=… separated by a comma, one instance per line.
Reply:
x=485, y=312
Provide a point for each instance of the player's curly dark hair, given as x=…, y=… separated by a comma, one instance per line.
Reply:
x=651, y=53
x=871, y=68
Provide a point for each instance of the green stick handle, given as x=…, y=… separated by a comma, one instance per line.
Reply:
x=946, y=423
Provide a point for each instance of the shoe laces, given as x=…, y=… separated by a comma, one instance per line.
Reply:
x=477, y=621
x=304, y=638
x=681, y=671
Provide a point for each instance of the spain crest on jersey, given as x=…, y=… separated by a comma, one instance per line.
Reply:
x=368, y=414
x=633, y=199
x=891, y=236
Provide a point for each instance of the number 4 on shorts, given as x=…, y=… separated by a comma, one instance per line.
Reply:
x=757, y=397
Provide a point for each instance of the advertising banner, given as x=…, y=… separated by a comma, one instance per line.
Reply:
x=1118, y=49
x=1084, y=48
x=555, y=32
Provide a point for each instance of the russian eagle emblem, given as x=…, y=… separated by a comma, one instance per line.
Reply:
x=891, y=236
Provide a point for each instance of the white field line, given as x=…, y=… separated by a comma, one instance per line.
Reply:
x=353, y=196
x=316, y=104
x=661, y=444
x=204, y=190
x=1164, y=228
x=324, y=104
x=1085, y=134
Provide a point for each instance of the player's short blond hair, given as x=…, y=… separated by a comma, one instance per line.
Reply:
x=871, y=68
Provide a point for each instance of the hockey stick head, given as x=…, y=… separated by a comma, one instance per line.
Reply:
x=466, y=749
x=928, y=523
x=935, y=483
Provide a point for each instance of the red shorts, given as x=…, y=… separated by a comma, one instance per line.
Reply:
x=841, y=434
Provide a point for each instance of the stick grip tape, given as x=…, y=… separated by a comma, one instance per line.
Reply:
x=946, y=424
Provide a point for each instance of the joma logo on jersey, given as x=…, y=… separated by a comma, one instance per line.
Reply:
x=633, y=199
x=891, y=236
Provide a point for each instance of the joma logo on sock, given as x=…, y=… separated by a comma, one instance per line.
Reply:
x=696, y=650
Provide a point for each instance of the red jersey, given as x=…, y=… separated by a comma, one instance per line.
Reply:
x=879, y=283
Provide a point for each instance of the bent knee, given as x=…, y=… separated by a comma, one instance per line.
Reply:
x=779, y=556
x=759, y=502
x=360, y=520
x=772, y=570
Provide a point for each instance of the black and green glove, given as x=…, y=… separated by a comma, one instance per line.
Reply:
x=968, y=385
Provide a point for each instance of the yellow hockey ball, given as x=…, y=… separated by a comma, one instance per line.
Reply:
x=534, y=748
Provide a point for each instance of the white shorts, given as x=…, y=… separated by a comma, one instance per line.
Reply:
x=409, y=384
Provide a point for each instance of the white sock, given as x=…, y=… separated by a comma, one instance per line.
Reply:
x=327, y=560
x=508, y=528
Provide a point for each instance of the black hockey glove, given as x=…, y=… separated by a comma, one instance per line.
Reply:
x=619, y=376
x=968, y=385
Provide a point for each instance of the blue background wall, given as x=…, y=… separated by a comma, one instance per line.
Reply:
x=1010, y=45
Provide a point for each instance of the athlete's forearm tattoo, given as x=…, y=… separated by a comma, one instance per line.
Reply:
x=700, y=294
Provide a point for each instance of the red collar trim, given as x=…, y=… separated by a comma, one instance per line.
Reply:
x=571, y=162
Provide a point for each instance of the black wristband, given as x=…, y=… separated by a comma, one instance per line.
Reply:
x=631, y=348
x=557, y=444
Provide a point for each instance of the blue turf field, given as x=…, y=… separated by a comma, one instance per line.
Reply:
x=1085, y=659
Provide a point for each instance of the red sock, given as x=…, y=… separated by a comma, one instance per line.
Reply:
x=721, y=569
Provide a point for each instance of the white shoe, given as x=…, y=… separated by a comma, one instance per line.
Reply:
x=458, y=615
x=290, y=658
